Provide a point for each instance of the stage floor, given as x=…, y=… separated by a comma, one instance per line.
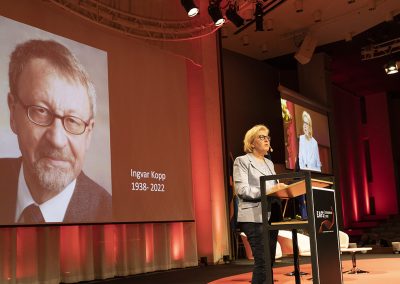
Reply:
x=383, y=268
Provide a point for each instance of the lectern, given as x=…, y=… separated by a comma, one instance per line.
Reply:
x=321, y=224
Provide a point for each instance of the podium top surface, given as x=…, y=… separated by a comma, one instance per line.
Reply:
x=292, y=222
x=295, y=189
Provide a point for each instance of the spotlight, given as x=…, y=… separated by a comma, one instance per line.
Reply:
x=215, y=13
x=299, y=6
x=264, y=48
x=270, y=25
x=233, y=16
x=392, y=67
x=372, y=5
x=248, y=14
x=348, y=36
x=224, y=32
x=245, y=40
x=389, y=16
x=317, y=16
x=259, y=17
x=190, y=7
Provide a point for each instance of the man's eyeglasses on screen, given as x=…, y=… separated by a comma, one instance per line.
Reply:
x=44, y=117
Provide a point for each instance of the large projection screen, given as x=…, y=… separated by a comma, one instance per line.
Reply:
x=131, y=163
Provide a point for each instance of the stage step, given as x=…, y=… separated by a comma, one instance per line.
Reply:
x=379, y=249
x=375, y=218
x=354, y=235
x=354, y=232
x=395, y=217
x=375, y=229
x=364, y=224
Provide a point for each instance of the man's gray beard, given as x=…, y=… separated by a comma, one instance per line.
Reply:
x=51, y=178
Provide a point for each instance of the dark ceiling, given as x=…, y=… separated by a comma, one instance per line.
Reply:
x=349, y=72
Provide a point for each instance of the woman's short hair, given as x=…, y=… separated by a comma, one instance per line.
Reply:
x=307, y=116
x=251, y=134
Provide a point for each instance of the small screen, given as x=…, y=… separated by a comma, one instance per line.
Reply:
x=307, y=140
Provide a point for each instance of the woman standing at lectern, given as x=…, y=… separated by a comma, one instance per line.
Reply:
x=247, y=170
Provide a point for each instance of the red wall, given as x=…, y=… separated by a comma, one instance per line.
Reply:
x=382, y=187
x=351, y=133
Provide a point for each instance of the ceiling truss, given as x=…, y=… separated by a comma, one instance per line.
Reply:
x=103, y=13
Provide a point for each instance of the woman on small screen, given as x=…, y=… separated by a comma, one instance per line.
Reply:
x=247, y=170
x=308, y=147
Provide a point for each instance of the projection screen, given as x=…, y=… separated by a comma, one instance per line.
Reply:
x=120, y=153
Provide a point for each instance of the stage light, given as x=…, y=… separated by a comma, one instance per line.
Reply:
x=245, y=40
x=348, y=36
x=299, y=6
x=389, y=16
x=270, y=25
x=264, y=48
x=259, y=17
x=371, y=5
x=392, y=67
x=232, y=15
x=191, y=9
x=224, y=32
x=215, y=13
x=317, y=16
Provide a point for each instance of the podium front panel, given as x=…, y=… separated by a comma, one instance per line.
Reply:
x=321, y=225
x=326, y=236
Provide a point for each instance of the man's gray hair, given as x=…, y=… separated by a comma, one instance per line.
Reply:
x=58, y=56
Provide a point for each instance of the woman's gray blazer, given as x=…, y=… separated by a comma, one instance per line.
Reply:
x=246, y=177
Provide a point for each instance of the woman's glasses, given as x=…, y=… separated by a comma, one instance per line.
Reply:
x=264, y=137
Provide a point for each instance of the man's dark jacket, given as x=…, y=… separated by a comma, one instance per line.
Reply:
x=90, y=203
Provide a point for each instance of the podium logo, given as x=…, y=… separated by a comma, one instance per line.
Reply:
x=328, y=220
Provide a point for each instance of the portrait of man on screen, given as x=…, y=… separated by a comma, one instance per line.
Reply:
x=52, y=105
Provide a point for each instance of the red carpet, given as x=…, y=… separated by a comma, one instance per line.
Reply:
x=381, y=270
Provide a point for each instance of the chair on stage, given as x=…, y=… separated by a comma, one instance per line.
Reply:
x=396, y=247
x=344, y=240
x=346, y=246
x=285, y=240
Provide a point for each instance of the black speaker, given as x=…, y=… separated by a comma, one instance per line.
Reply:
x=372, y=209
x=203, y=261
